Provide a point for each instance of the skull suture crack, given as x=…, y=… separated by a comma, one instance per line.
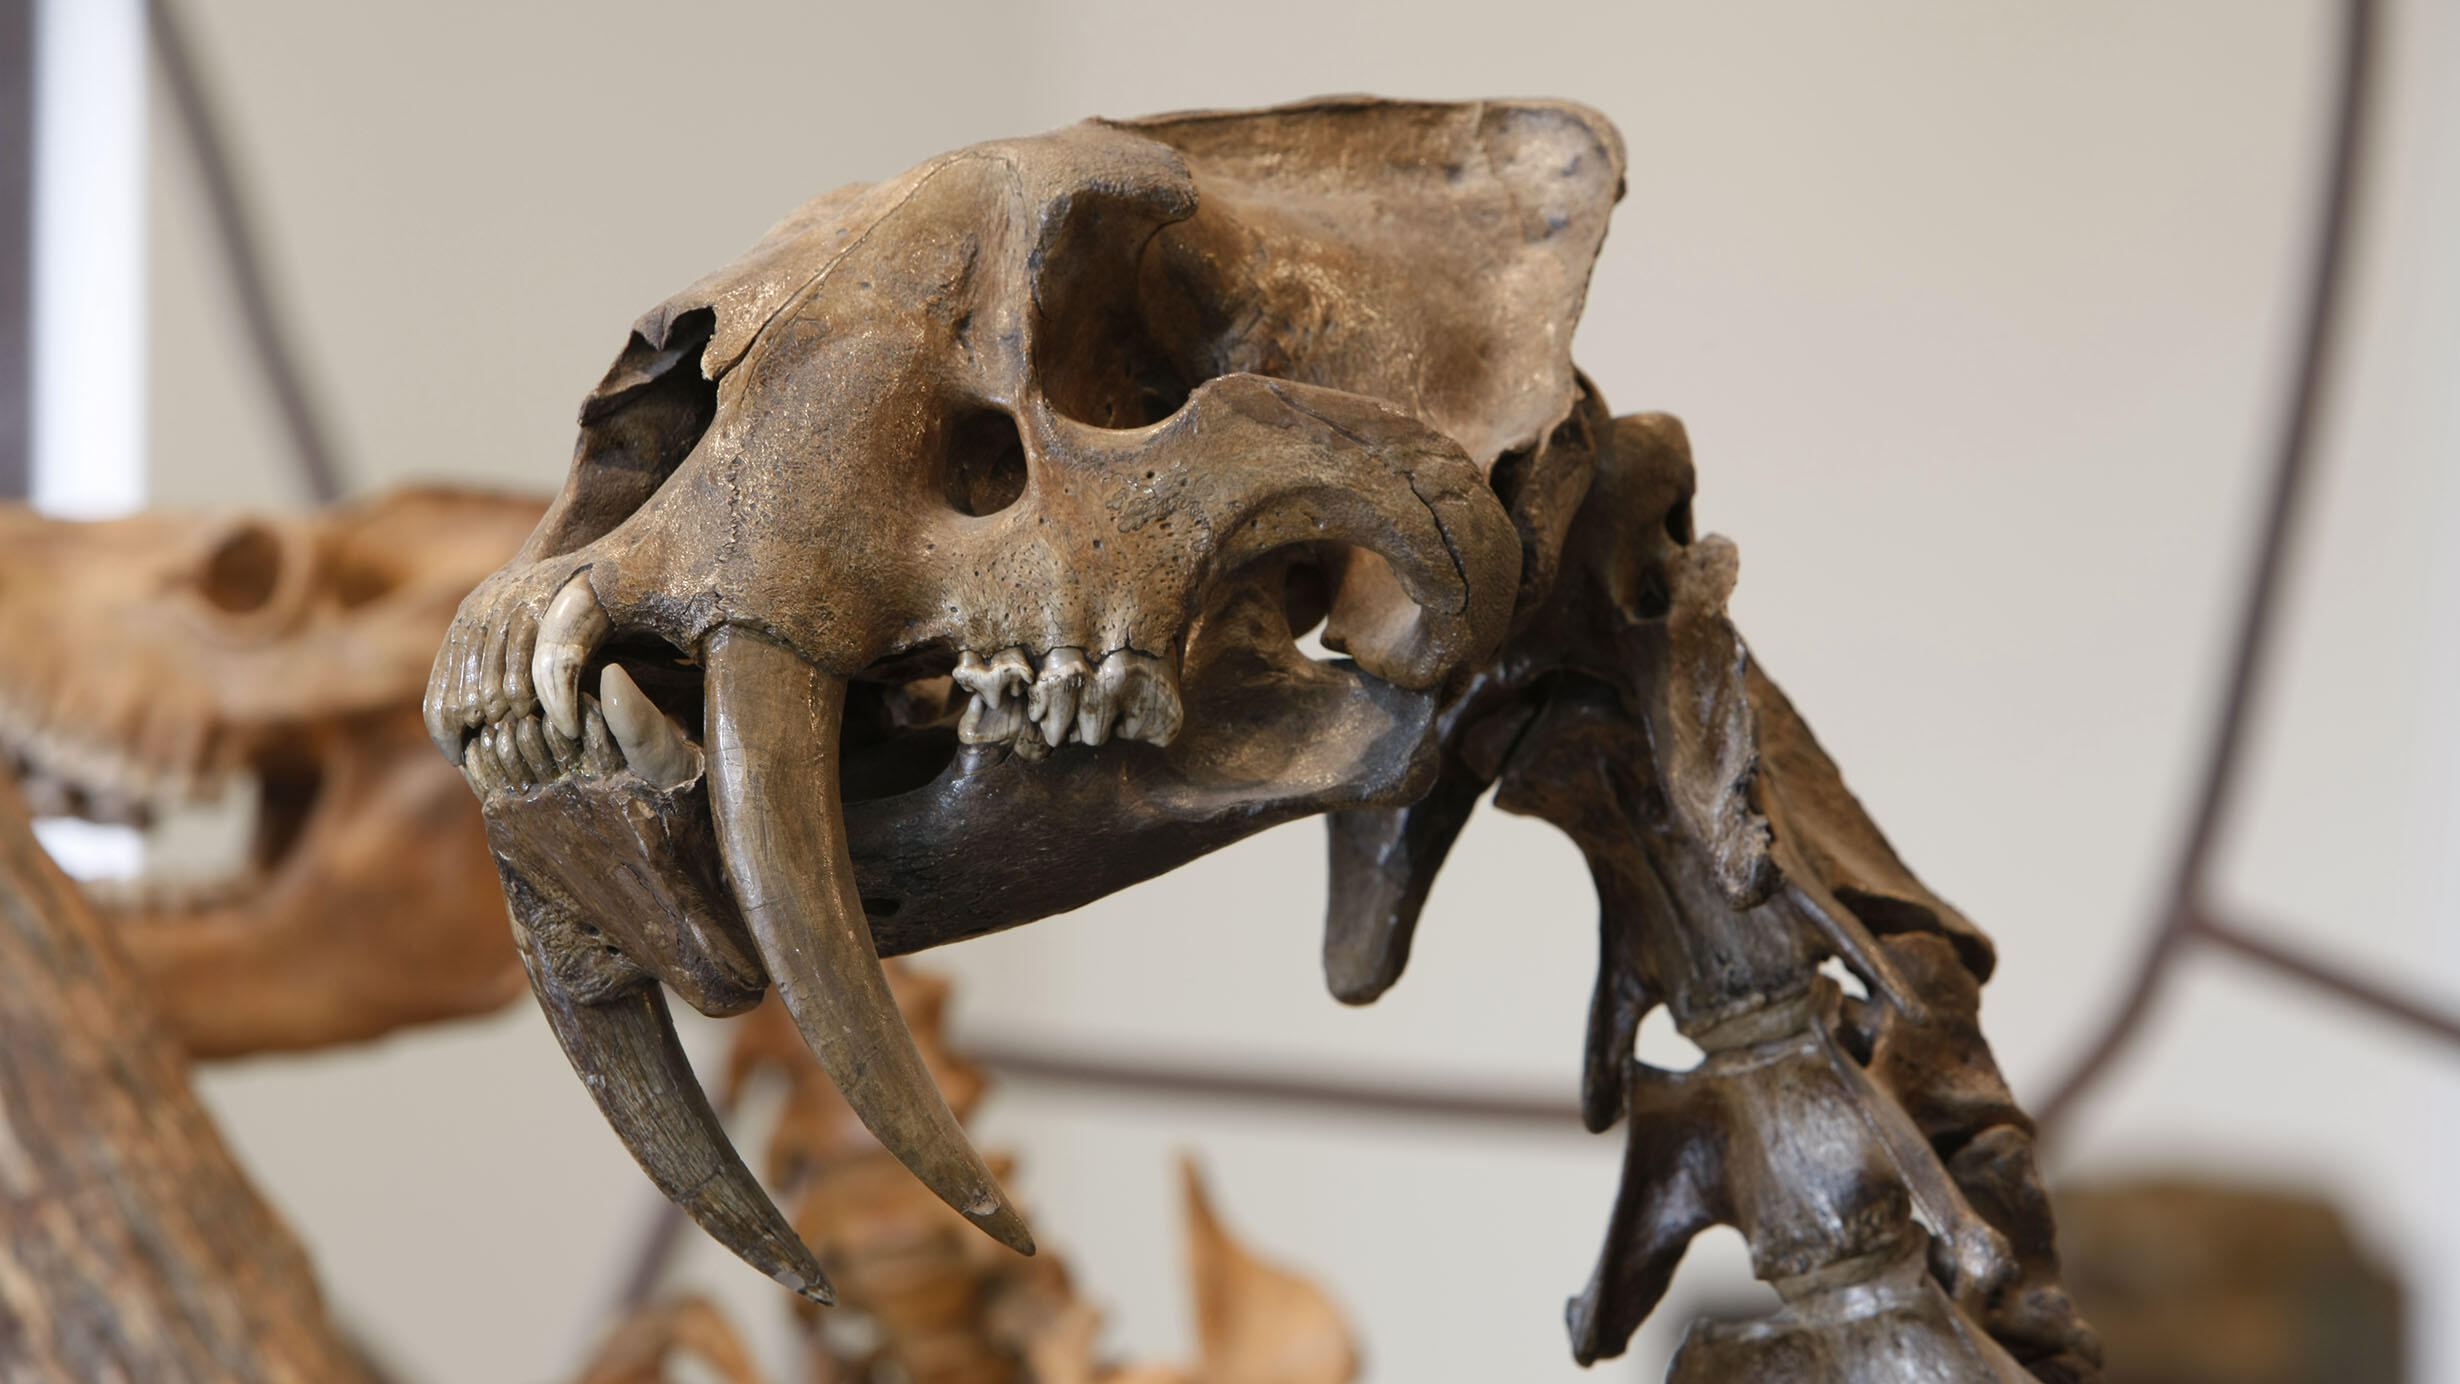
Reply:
x=997, y=495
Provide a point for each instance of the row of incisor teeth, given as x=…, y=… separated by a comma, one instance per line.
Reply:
x=1068, y=698
x=620, y=728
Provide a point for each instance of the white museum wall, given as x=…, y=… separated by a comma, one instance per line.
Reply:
x=1977, y=316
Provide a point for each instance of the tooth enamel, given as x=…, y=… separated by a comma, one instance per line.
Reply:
x=1143, y=692
x=774, y=723
x=528, y=738
x=994, y=723
x=500, y=744
x=632, y=1064
x=1051, y=703
x=574, y=625
x=997, y=710
x=600, y=754
x=653, y=745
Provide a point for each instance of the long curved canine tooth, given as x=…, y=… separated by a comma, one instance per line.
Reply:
x=626, y=1053
x=574, y=625
x=772, y=747
x=653, y=745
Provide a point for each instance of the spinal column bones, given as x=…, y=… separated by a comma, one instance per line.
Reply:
x=995, y=496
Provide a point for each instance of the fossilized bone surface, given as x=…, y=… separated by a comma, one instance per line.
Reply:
x=131, y=1247
x=935, y=1303
x=939, y=566
x=155, y=659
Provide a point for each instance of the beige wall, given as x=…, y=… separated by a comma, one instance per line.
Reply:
x=1976, y=312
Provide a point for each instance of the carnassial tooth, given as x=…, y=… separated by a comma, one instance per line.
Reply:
x=653, y=744
x=1051, y=704
x=574, y=626
x=997, y=711
x=773, y=728
x=1144, y=693
x=990, y=723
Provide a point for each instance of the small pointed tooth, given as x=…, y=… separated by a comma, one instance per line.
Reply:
x=1052, y=702
x=626, y=1054
x=599, y=752
x=773, y=728
x=490, y=688
x=500, y=748
x=1144, y=693
x=565, y=749
x=1029, y=744
x=571, y=631
x=529, y=739
x=479, y=768
x=653, y=744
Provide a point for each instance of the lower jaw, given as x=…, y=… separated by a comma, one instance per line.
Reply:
x=983, y=848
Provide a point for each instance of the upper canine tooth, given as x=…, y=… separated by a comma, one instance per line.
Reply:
x=653, y=745
x=1144, y=693
x=1051, y=703
x=574, y=625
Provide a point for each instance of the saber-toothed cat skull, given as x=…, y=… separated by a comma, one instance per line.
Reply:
x=940, y=566
x=993, y=493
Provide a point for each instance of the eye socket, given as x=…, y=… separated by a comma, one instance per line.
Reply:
x=244, y=570
x=986, y=463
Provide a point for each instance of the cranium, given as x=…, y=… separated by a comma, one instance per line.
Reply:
x=154, y=659
x=940, y=566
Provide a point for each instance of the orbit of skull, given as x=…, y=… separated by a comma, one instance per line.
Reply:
x=999, y=494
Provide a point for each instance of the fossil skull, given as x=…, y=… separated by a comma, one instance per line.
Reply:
x=273, y=662
x=940, y=565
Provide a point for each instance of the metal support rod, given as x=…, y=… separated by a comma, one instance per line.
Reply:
x=2293, y=463
x=243, y=262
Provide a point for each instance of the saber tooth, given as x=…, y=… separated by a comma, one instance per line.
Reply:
x=772, y=739
x=652, y=743
x=625, y=1051
x=574, y=625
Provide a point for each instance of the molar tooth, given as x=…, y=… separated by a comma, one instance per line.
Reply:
x=652, y=743
x=571, y=631
x=1052, y=701
x=1144, y=693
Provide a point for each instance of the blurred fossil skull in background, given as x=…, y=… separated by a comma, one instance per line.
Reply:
x=269, y=663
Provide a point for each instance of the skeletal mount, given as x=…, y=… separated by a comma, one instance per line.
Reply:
x=940, y=565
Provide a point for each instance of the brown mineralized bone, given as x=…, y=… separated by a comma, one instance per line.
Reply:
x=974, y=518
x=1070, y=418
x=150, y=660
x=942, y=1305
x=131, y=1246
x=1866, y=1149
